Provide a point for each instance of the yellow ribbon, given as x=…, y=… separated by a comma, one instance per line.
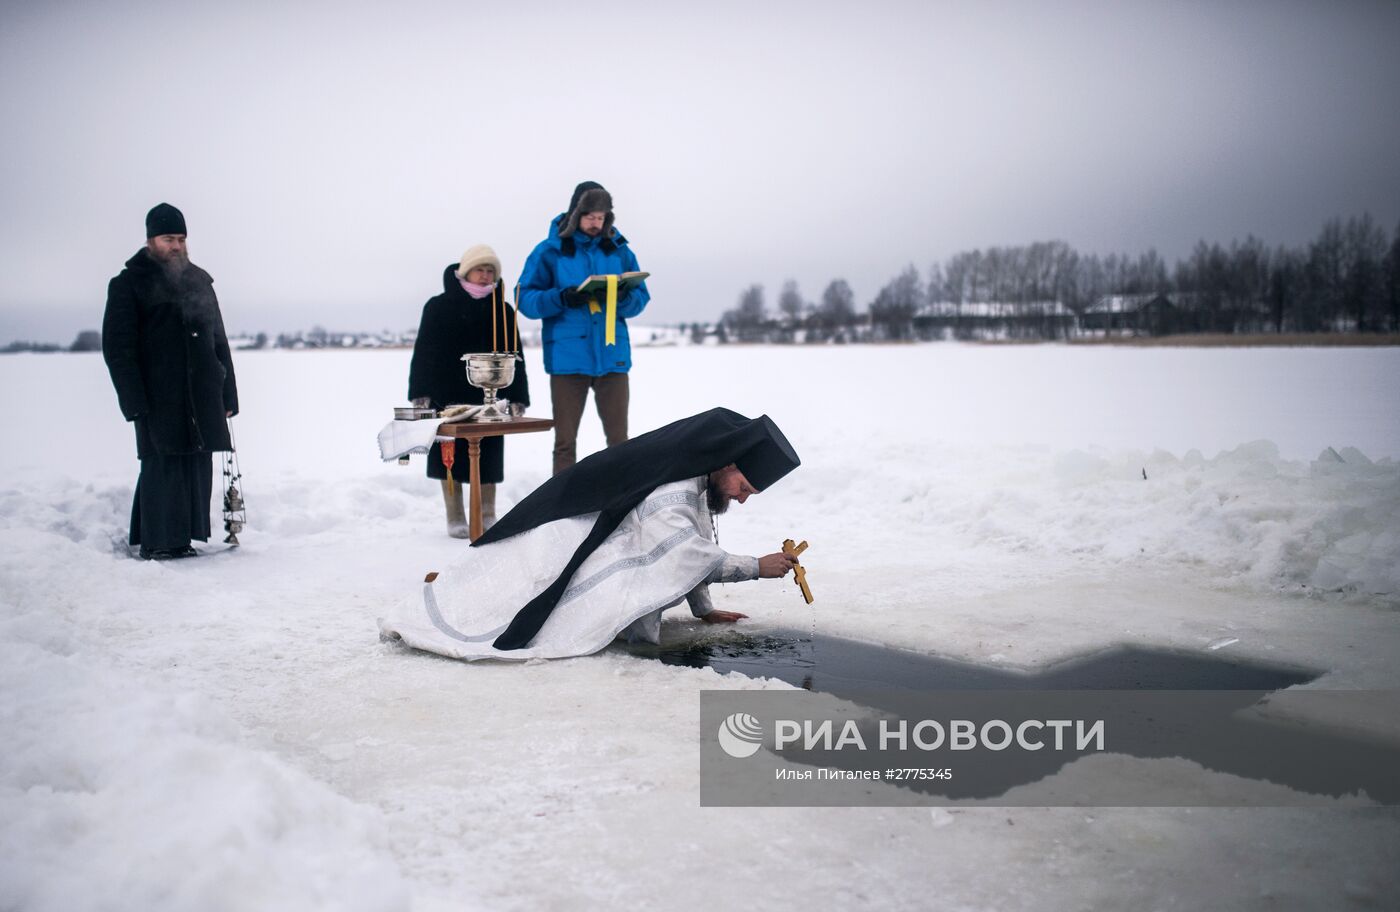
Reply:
x=610, y=331
x=610, y=334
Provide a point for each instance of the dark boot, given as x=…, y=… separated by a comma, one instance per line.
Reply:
x=164, y=554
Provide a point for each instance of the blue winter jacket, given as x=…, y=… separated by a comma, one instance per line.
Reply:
x=573, y=337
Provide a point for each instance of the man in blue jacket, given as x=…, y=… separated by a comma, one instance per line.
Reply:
x=578, y=355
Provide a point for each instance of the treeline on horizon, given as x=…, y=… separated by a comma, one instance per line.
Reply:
x=1346, y=280
x=90, y=340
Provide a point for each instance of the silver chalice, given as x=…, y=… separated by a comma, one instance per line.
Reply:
x=491, y=371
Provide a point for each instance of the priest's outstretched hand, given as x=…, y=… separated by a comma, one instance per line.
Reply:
x=770, y=566
x=775, y=565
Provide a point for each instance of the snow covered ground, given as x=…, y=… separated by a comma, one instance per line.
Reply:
x=228, y=733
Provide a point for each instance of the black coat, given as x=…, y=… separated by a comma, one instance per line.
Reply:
x=165, y=347
x=456, y=324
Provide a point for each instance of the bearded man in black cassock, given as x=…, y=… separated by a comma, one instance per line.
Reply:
x=604, y=547
x=164, y=342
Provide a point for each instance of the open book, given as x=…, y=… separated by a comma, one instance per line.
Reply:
x=597, y=284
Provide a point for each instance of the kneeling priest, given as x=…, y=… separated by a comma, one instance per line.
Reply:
x=601, y=549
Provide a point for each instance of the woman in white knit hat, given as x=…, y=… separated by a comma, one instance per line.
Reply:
x=471, y=315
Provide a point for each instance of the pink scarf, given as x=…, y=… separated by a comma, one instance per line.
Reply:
x=475, y=290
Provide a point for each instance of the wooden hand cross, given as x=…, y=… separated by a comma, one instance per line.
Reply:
x=799, y=573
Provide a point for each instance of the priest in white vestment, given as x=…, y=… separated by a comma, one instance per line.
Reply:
x=557, y=581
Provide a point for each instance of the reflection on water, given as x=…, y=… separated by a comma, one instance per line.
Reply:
x=845, y=667
x=891, y=680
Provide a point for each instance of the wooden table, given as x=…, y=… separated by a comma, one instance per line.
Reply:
x=472, y=432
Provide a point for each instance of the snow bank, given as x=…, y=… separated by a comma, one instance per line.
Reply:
x=1244, y=514
x=125, y=798
x=227, y=733
x=1031, y=458
x=118, y=791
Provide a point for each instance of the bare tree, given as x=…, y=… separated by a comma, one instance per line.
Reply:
x=1325, y=275
x=1246, y=284
x=1204, y=277
x=751, y=306
x=1285, y=286
x=1091, y=280
x=936, y=291
x=976, y=278
x=1392, y=282
x=894, y=308
x=790, y=303
x=1363, y=288
x=838, y=307
x=955, y=279
x=747, y=319
x=993, y=271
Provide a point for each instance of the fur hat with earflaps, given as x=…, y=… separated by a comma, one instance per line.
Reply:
x=588, y=197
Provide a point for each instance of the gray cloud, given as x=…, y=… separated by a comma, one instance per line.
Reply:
x=331, y=159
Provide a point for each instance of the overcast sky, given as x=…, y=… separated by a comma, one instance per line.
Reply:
x=332, y=158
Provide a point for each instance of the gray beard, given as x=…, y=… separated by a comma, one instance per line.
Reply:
x=192, y=290
x=174, y=267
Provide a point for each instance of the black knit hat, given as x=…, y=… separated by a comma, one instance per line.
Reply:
x=164, y=219
x=589, y=196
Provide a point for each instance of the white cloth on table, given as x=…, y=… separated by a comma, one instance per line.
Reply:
x=660, y=555
x=400, y=438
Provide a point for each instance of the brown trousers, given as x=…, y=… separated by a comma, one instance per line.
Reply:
x=568, y=393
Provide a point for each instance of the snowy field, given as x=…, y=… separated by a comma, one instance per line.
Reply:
x=228, y=733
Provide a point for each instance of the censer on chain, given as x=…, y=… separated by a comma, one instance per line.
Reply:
x=235, y=515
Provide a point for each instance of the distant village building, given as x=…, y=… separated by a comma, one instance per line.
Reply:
x=1163, y=314
x=1151, y=314
x=995, y=320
